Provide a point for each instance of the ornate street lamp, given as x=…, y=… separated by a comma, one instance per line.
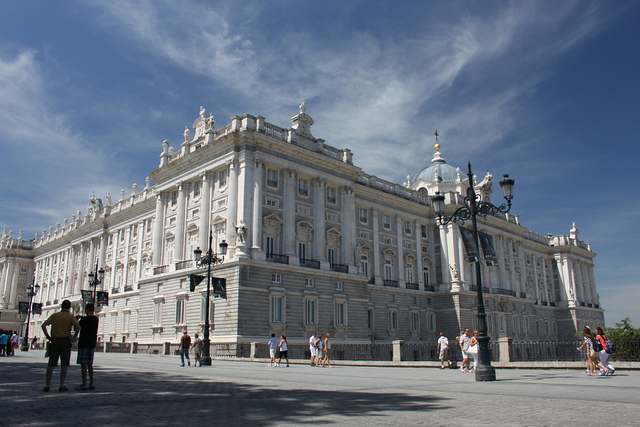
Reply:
x=209, y=260
x=472, y=209
x=31, y=292
x=94, y=281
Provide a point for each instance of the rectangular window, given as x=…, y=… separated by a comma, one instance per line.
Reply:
x=269, y=246
x=388, y=269
x=134, y=231
x=386, y=222
x=370, y=320
x=407, y=227
x=196, y=188
x=331, y=256
x=331, y=195
x=277, y=312
x=393, y=320
x=276, y=278
x=174, y=198
x=222, y=179
x=363, y=215
x=339, y=286
x=415, y=321
x=423, y=231
x=148, y=226
x=432, y=322
x=332, y=217
x=222, y=204
x=303, y=187
x=310, y=312
x=122, y=235
x=302, y=251
x=364, y=235
x=365, y=265
x=272, y=178
x=425, y=276
x=180, y=312
x=341, y=314
x=272, y=203
x=308, y=283
x=303, y=210
x=114, y=320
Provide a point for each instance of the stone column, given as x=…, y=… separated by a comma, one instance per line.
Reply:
x=256, y=232
x=232, y=208
x=158, y=231
x=400, y=252
x=13, y=297
x=319, y=222
x=125, y=262
x=178, y=250
x=205, y=211
x=348, y=229
x=102, y=256
x=377, y=259
x=289, y=213
x=140, y=226
x=245, y=206
x=80, y=277
x=418, y=273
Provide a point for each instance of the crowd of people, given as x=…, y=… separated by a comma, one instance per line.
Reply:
x=8, y=342
x=598, y=352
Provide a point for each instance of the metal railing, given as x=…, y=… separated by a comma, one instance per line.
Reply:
x=184, y=264
x=310, y=263
x=415, y=286
x=277, y=258
x=340, y=268
x=390, y=283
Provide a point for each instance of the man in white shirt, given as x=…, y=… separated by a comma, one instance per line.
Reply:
x=273, y=346
x=313, y=348
x=443, y=350
x=464, y=341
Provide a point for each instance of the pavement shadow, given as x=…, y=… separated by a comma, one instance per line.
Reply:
x=152, y=398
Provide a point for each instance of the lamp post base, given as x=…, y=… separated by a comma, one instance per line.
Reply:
x=205, y=361
x=485, y=373
x=24, y=347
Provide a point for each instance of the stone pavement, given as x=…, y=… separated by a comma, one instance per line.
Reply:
x=155, y=390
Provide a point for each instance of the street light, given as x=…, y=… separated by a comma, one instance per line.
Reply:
x=210, y=259
x=94, y=281
x=472, y=209
x=31, y=292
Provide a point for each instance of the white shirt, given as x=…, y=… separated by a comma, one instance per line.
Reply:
x=312, y=341
x=273, y=343
x=443, y=341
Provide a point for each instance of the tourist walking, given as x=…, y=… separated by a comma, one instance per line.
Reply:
x=320, y=346
x=284, y=350
x=87, y=345
x=60, y=341
x=273, y=346
x=604, y=355
x=313, y=348
x=185, y=344
x=4, y=339
x=197, y=350
x=464, y=342
x=14, y=342
x=443, y=350
x=592, y=354
x=327, y=349
x=473, y=350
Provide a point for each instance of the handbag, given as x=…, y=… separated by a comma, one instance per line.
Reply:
x=473, y=349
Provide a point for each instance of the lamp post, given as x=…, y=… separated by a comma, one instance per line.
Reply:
x=472, y=209
x=31, y=292
x=94, y=281
x=209, y=260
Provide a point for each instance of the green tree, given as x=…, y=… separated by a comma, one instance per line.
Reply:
x=627, y=340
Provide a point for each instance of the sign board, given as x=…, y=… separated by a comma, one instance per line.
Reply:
x=219, y=287
x=87, y=297
x=473, y=255
x=23, y=307
x=486, y=241
x=36, y=308
x=103, y=298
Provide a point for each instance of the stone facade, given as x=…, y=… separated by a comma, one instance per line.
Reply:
x=315, y=244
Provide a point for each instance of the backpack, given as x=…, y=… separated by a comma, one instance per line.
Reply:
x=611, y=347
x=597, y=347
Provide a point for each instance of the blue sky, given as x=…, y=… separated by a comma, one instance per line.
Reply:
x=545, y=91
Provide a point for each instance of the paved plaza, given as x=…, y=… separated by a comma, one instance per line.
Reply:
x=155, y=390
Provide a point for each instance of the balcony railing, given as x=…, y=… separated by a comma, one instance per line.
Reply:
x=474, y=288
x=501, y=291
x=430, y=288
x=115, y=290
x=340, y=268
x=280, y=259
x=184, y=264
x=128, y=288
x=415, y=286
x=372, y=281
x=161, y=269
x=522, y=295
x=310, y=263
x=390, y=283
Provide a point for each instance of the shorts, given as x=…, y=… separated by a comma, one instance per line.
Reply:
x=272, y=352
x=314, y=351
x=284, y=354
x=59, y=348
x=594, y=354
x=320, y=353
x=85, y=355
x=465, y=355
x=444, y=351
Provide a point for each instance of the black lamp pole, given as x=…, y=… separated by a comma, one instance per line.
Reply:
x=209, y=260
x=94, y=281
x=31, y=291
x=472, y=209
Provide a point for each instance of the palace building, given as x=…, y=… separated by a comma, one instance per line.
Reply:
x=314, y=244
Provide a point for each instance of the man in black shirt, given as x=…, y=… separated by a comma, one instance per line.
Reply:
x=87, y=345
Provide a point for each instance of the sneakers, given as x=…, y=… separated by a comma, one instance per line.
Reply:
x=45, y=388
x=63, y=388
x=92, y=386
x=82, y=387
x=287, y=365
x=612, y=371
x=602, y=374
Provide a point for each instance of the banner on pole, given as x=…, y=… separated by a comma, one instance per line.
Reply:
x=36, y=308
x=473, y=254
x=87, y=297
x=103, y=298
x=23, y=307
x=486, y=241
